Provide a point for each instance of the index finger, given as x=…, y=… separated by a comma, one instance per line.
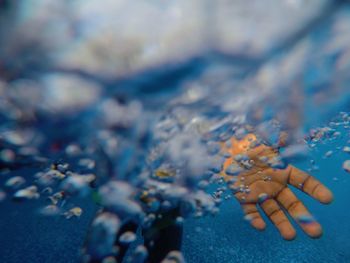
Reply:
x=308, y=184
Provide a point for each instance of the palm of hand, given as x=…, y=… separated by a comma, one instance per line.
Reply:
x=268, y=188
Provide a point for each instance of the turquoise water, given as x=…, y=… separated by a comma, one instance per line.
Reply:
x=29, y=236
x=226, y=237
x=77, y=139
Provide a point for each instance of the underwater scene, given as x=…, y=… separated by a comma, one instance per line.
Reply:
x=174, y=131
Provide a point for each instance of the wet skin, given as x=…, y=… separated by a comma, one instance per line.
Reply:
x=269, y=189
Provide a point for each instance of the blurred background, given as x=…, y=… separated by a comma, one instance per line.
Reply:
x=111, y=80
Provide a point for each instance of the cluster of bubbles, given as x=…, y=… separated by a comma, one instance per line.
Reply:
x=180, y=166
x=335, y=134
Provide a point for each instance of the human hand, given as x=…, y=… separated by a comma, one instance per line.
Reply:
x=269, y=188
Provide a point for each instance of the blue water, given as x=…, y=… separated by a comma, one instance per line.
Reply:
x=29, y=237
x=227, y=238
x=26, y=236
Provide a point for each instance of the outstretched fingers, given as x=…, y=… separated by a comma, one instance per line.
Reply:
x=278, y=218
x=300, y=214
x=309, y=185
x=253, y=216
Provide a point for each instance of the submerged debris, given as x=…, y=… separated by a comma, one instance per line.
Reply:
x=55, y=198
x=73, y=212
x=346, y=166
x=30, y=192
